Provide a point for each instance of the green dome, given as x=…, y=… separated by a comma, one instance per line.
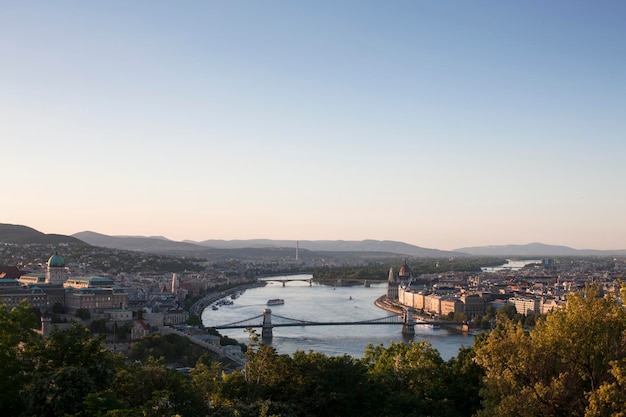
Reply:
x=56, y=261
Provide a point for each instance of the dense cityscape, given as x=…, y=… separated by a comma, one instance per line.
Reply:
x=313, y=209
x=131, y=303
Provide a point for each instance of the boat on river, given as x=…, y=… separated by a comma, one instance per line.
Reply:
x=434, y=326
x=275, y=302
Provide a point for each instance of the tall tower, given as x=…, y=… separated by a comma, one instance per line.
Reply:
x=56, y=271
x=297, y=249
x=174, y=283
x=266, y=331
x=392, y=287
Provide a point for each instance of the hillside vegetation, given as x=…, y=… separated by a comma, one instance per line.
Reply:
x=572, y=363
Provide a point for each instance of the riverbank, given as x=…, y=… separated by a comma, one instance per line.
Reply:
x=384, y=303
x=212, y=297
x=323, y=303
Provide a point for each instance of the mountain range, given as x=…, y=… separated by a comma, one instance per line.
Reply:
x=306, y=248
x=533, y=250
x=19, y=234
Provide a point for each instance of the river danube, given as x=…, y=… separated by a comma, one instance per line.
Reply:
x=323, y=303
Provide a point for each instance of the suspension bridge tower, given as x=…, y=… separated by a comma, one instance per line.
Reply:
x=266, y=332
x=408, y=326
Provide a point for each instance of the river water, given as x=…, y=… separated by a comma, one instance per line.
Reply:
x=323, y=303
x=511, y=265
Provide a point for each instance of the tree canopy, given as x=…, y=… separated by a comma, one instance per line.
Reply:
x=571, y=363
x=558, y=367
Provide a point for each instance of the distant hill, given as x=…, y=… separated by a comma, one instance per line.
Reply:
x=370, y=248
x=14, y=233
x=138, y=243
x=369, y=245
x=537, y=250
x=258, y=247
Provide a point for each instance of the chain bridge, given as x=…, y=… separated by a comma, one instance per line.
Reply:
x=267, y=322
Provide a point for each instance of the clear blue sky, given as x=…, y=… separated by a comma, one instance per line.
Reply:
x=442, y=124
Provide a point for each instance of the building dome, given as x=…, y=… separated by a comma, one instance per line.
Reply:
x=56, y=261
x=404, y=271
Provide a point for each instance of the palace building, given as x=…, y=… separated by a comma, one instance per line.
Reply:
x=56, y=272
x=54, y=287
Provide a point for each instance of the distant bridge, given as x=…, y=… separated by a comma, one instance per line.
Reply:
x=264, y=321
x=284, y=278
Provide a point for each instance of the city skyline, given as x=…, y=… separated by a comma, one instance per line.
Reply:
x=444, y=125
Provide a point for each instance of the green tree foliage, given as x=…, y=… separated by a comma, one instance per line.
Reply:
x=58, y=308
x=16, y=338
x=329, y=386
x=371, y=272
x=558, y=366
x=68, y=366
x=610, y=398
x=414, y=375
x=464, y=381
x=506, y=312
x=265, y=370
x=83, y=314
x=194, y=320
x=572, y=363
x=122, y=331
x=174, y=349
x=207, y=377
x=305, y=384
x=59, y=391
x=99, y=326
x=379, y=271
x=156, y=390
x=252, y=392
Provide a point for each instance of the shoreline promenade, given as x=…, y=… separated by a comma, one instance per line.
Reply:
x=198, y=307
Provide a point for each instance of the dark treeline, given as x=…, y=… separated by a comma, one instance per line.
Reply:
x=571, y=363
x=379, y=271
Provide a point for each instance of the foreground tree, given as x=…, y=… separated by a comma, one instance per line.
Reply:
x=414, y=378
x=16, y=337
x=556, y=368
x=207, y=378
x=68, y=366
x=610, y=398
x=465, y=377
x=305, y=384
x=154, y=389
x=331, y=386
x=174, y=349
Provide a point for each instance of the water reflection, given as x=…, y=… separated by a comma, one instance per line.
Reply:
x=324, y=303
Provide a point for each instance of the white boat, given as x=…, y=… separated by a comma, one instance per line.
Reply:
x=275, y=302
x=433, y=326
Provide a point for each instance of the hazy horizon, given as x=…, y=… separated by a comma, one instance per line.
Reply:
x=330, y=240
x=440, y=124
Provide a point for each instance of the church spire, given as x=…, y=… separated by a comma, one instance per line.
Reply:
x=392, y=287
